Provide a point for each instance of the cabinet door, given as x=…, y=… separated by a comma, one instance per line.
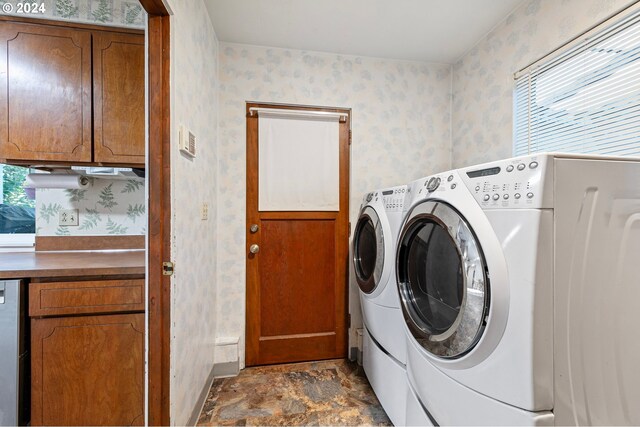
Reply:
x=118, y=74
x=45, y=93
x=88, y=370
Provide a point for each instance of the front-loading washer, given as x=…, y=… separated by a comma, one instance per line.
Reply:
x=494, y=265
x=384, y=342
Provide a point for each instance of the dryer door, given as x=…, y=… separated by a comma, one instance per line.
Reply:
x=368, y=250
x=442, y=280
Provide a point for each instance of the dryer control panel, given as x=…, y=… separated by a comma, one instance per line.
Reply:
x=520, y=182
x=393, y=198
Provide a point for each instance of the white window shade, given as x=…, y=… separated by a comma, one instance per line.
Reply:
x=586, y=100
x=298, y=161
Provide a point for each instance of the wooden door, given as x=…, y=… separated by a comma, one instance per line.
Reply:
x=118, y=98
x=297, y=282
x=45, y=93
x=88, y=370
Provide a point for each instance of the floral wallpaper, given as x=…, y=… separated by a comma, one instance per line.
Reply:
x=122, y=13
x=194, y=106
x=400, y=124
x=482, y=117
x=106, y=207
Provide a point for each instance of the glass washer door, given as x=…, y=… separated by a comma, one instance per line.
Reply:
x=368, y=250
x=442, y=280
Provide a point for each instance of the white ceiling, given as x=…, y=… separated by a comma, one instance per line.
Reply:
x=421, y=30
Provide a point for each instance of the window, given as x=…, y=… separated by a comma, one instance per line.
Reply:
x=17, y=208
x=586, y=99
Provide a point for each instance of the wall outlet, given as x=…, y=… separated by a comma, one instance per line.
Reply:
x=205, y=211
x=68, y=217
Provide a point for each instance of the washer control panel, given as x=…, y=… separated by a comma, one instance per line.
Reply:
x=393, y=198
x=433, y=186
x=514, y=183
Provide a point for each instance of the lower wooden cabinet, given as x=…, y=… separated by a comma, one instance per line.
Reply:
x=88, y=370
x=87, y=352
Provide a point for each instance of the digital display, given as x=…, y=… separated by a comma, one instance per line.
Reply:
x=387, y=193
x=484, y=172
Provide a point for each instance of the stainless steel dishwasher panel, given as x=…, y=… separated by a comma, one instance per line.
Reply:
x=10, y=312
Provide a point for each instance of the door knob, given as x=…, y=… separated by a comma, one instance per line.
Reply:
x=254, y=249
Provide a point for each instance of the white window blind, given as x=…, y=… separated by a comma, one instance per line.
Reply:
x=586, y=100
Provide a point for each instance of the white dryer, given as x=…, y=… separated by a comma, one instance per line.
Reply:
x=384, y=342
x=513, y=277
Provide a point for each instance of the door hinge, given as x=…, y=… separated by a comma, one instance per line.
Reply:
x=349, y=228
x=349, y=321
x=349, y=136
x=167, y=268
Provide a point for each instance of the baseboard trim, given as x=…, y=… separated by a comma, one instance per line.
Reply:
x=225, y=370
x=193, y=420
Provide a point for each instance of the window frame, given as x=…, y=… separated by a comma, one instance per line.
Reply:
x=18, y=242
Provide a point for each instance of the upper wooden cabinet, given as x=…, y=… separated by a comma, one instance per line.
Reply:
x=71, y=95
x=118, y=98
x=45, y=89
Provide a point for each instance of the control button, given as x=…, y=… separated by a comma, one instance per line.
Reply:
x=453, y=185
x=369, y=197
x=477, y=188
x=496, y=196
x=450, y=178
x=521, y=166
x=533, y=165
x=517, y=195
x=529, y=195
x=510, y=168
x=506, y=197
x=433, y=184
x=486, y=197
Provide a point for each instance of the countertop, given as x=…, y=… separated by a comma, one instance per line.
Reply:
x=18, y=265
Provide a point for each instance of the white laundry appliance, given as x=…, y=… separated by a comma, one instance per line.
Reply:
x=519, y=287
x=384, y=341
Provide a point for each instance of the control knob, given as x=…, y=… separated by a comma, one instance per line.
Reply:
x=433, y=184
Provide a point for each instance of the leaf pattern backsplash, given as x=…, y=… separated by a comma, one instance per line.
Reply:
x=106, y=207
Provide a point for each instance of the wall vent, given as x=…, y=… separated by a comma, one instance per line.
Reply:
x=187, y=142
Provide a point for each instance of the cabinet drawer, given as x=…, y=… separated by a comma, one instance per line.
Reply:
x=87, y=297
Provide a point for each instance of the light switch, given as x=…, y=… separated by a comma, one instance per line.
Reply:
x=205, y=211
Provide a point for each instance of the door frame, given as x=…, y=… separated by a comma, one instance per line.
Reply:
x=159, y=213
x=252, y=287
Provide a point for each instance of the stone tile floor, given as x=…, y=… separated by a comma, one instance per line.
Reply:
x=332, y=392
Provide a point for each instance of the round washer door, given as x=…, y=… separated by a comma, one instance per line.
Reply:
x=442, y=280
x=368, y=250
